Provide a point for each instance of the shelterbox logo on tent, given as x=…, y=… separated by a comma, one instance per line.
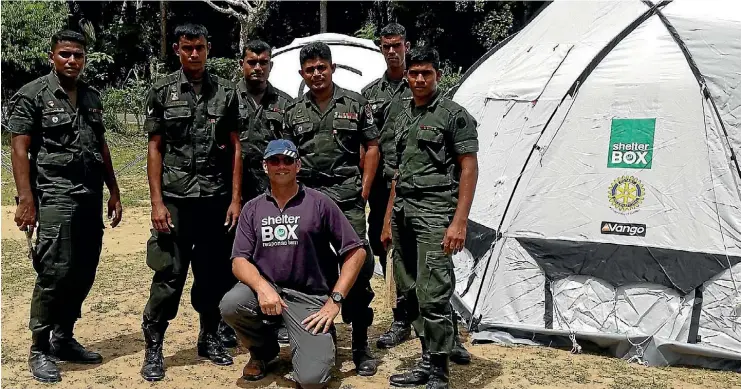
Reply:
x=631, y=143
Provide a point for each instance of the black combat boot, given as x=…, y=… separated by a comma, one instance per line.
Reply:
x=365, y=363
x=227, y=335
x=439, y=372
x=42, y=366
x=459, y=354
x=399, y=332
x=65, y=347
x=210, y=346
x=419, y=375
x=154, y=363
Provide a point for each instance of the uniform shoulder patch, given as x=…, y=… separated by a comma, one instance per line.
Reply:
x=461, y=122
x=368, y=111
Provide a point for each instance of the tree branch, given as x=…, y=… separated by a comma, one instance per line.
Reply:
x=225, y=10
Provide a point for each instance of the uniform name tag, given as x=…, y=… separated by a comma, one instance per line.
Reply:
x=95, y=110
x=52, y=110
x=346, y=115
x=423, y=127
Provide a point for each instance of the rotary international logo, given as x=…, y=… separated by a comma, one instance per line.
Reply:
x=626, y=194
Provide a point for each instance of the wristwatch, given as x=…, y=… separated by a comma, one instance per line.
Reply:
x=337, y=297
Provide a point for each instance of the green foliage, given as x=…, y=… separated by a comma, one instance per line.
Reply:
x=27, y=28
x=495, y=26
x=120, y=102
x=450, y=77
x=224, y=67
x=97, y=68
x=368, y=31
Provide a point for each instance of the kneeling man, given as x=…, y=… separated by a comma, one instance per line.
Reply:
x=285, y=257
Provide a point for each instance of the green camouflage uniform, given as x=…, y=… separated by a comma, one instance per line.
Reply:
x=67, y=180
x=428, y=141
x=258, y=125
x=196, y=187
x=387, y=98
x=329, y=146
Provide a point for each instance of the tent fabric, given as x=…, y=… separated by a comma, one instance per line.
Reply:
x=608, y=202
x=359, y=62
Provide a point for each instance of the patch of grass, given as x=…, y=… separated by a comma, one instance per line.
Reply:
x=129, y=161
x=18, y=273
x=103, y=306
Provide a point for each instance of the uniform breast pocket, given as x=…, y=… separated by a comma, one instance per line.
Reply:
x=57, y=130
x=346, y=135
x=177, y=117
x=273, y=122
x=432, y=141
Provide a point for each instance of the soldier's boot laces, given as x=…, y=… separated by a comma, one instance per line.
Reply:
x=210, y=346
x=439, y=372
x=399, y=332
x=153, y=368
x=71, y=350
x=418, y=375
x=227, y=335
x=43, y=367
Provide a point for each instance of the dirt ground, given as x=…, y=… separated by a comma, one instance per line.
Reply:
x=111, y=326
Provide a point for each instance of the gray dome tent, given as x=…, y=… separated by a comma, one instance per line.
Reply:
x=608, y=207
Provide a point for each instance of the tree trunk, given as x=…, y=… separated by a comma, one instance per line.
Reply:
x=163, y=30
x=245, y=30
x=323, y=16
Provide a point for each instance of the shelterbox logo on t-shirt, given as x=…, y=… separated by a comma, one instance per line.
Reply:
x=280, y=230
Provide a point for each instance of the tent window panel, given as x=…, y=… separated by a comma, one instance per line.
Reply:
x=528, y=73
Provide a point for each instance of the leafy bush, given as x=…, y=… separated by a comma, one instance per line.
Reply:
x=450, y=78
x=224, y=67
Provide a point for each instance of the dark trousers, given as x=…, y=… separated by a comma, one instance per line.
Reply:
x=377, y=201
x=312, y=355
x=69, y=240
x=200, y=239
x=356, y=308
x=424, y=274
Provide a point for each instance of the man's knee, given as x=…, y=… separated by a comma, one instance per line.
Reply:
x=236, y=305
x=314, y=375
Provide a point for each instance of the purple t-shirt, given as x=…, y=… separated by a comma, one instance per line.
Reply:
x=292, y=248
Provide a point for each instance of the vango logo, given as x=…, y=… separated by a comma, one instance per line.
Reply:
x=626, y=229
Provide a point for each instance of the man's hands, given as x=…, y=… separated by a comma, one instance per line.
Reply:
x=270, y=301
x=161, y=220
x=322, y=320
x=232, y=215
x=25, y=214
x=115, y=210
x=455, y=237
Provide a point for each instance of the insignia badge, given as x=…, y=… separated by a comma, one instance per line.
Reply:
x=50, y=103
x=626, y=194
x=368, y=111
x=54, y=119
x=174, y=96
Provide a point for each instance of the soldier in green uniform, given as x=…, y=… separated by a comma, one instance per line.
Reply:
x=261, y=110
x=57, y=119
x=431, y=195
x=194, y=165
x=388, y=96
x=329, y=125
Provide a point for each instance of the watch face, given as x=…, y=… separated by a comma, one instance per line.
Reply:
x=337, y=297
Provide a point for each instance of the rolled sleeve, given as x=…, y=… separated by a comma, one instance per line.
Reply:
x=154, y=119
x=370, y=130
x=465, y=135
x=21, y=115
x=245, y=239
